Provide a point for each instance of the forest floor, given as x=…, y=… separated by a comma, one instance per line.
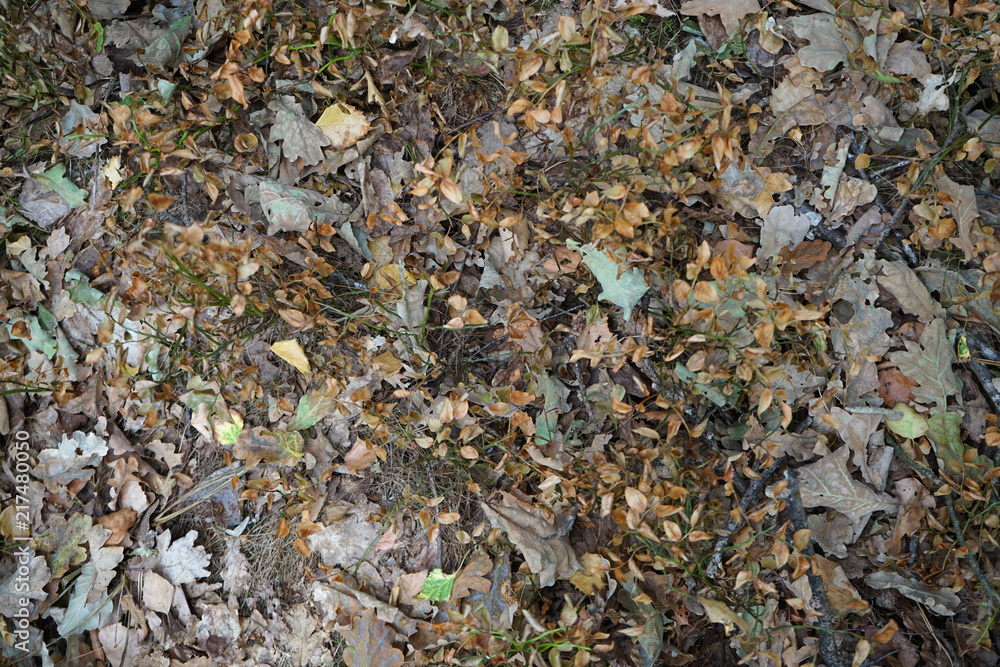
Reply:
x=614, y=332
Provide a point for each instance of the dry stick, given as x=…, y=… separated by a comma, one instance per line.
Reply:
x=829, y=643
x=750, y=499
x=906, y=204
x=991, y=592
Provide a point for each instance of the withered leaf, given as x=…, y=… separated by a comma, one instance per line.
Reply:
x=300, y=137
x=942, y=602
x=369, y=643
x=547, y=553
x=929, y=364
x=912, y=294
x=827, y=483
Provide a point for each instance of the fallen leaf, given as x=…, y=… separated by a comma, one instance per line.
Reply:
x=929, y=365
x=296, y=210
x=623, y=290
x=181, y=561
x=300, y=137
x=369, y=643
x=731, y=12
x=343, y=125
x=782, y=228
x=913, y=295
x=827, y=483
x=963, y=208
x=437, y=586
x=292, y=352
x=547, y=553
x=942, y=602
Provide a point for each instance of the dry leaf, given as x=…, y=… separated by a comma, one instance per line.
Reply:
x=731, y=12
x=827, y=483
x=299, y=136
x=292, y=352
x=929, y=365
x=369, y=643
x=942, y=602
x=963, y=208
x=546, y=552
x=913, y=296
x=343, y=125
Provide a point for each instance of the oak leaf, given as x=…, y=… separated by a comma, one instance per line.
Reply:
x=827, y=483
x=369, y=643
x=929, y=364
x=300, y=137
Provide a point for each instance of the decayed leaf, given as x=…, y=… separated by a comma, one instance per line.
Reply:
x=74, y=459
x=344, y=543
x=165, y=50
x=292, y=352
x=856, y=431
x=782, y=228
x=369, y=643
x=827, y=483
x=624, y=290
x=546, y=552
x=929, y=364
x=300, y=137
x=731, y=12
x=305, y=638
x=963, y=208
x=913, y=296
x=181, y=561
x=296, y=210
x=942, y=602
x=828, y=45
x=343, y=124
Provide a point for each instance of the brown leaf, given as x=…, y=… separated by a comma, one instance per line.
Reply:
x=300, y=137
x=731, y=12
x=827, y=483
x=962, y=206
x=912, y=294
x=546, y=552
x=361, y=455
x=369, y=643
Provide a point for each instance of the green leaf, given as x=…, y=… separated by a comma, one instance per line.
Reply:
x=945, y=433
x=227, y=433
x=624, y=290
x=437, y=586
x=912, y=424
x=316, y=404
x=54, y=180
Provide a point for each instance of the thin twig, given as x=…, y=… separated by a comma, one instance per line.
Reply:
x=750, y=499
x=829, y=642
x=956, y=525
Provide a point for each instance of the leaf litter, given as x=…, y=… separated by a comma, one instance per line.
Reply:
x=343, y=334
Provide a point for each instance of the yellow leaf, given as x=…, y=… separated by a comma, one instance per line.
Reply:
x=292, y=352
x=718, y=612
x=343, y=124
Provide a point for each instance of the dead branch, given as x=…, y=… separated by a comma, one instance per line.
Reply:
x=829, y=642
